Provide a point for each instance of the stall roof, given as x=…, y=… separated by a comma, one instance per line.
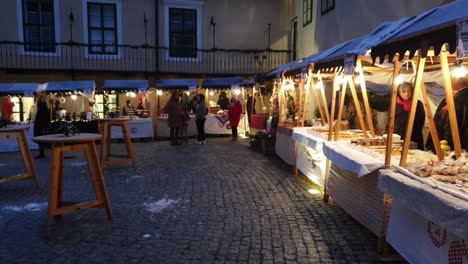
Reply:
x=248, y=83
x=177, y=84
x=69, y=86
x=222, y=82
x=18, y=88
x=282, y=68
x=432, y=28
x=125, y=84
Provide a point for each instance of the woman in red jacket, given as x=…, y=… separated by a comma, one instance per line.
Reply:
x=235, y=111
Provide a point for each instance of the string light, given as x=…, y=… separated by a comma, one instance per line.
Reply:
x=187, y=93
x=399, y=80
x=159, y=92
x=73, y=97
x=211, y=93
x=339, y=79
x=237, y=92
x=319, y=85
x=460, y=71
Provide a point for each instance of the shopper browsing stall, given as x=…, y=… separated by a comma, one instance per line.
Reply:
x=235, y=111
x=174, y=117
x=200, y=118
x=41, y=121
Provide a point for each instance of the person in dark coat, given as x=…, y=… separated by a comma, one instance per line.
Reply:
x=41, y=121
x=175, y=120
x=402, y=112
x=223, y=101
x=200, y=118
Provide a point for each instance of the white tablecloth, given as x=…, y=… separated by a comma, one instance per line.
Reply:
x=138, y=128
x=11, y=145
x=310, y=159
x=284, y=145
x=435, y=205
x=349, y=157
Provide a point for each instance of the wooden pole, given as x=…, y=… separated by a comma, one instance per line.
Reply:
x=357, y=105
x=450, y=101
x=332, y=114
x=300, y=107
x=391, y=122
x=306, y=99
x=340, y=110
x=325, y=103
x=412, y=114
x=365, y=97
x=434, y=134
x=313, y=86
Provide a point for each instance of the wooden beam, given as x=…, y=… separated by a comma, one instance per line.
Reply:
x=313, y=86
x=340, y=110
x=306, y=99
x=412, y=113
x=450, y=101
x=332, y=114
x=299, y=110
x=324, y=100
x=391, y=122
x=365, y=98
x=432, y=127
x=362, y=124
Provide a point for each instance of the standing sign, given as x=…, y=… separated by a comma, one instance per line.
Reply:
x=349, y=64
x=462, y=39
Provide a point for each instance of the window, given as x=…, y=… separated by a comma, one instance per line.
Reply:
x=182, y=32
x=38, y=25
x=102, y=28
x=327, y=6
x=307, y=12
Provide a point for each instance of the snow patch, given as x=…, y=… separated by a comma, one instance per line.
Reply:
x=31, y=207
x=158, y=206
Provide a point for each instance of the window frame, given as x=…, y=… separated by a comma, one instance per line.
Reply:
x=102, y=29
x=118, y=19
x=22, y=29
x=193, y=34
x=325, y=6
x=306, y=11
x=184, y=4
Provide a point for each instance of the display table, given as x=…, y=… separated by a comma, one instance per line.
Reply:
x=310, y=159
x=11, y=145
x=284, y=144
x=214, y=125
x=426, y=225
x=353, y=183
x=138, y=128
x=61, y=144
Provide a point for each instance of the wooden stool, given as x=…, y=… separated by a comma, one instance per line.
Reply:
x=107, y=124
x=60, y=145
x=20, y=134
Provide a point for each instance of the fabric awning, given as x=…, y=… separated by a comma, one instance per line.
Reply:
x=249, y=83
x=176, y=84
x=125, y=84
x=219, y=83
x=432, y=29
x=19, y=88
x=69, y=86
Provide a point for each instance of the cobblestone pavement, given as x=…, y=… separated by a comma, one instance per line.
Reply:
x=213, y=203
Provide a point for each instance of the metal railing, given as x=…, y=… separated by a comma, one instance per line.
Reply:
x=73, y=56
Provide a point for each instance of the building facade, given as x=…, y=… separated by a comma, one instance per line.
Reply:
x=155, y=39
x=321, y=24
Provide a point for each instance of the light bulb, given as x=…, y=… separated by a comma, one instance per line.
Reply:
x=319, y=85
x=127, y=94
x=399, y=80
x=339, y=79
x=159, y=92
x=73, y=96
x=359, y=79
x=187, y=93
x=132, y=94
x=237, y=92
x=459, y=72
x=211, y=93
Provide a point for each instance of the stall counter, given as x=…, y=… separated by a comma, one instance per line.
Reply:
x=138, y=128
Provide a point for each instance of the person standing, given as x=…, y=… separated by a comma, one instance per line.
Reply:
x=403, y=108
x=235, y=111
x=129, y=109
x=174, y=119
x=200, y=118
x=41, y=121
x=223, y=101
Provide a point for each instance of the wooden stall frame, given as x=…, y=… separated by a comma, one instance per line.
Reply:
x=365, y=98
x=391, y=120
x=324, y=99
x=332, y=114
x=358, y=106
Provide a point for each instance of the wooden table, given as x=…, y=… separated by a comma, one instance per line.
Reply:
x=60, y=145
x=106, y=124
x=20, y=134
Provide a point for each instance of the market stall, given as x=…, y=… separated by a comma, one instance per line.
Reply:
x=69, y=103
x=128, y=98
x=22, y=95
x=430, y=199
x=188, y=89
x=217, y=120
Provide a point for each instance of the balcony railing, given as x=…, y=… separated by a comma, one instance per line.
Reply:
x=72, y=56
